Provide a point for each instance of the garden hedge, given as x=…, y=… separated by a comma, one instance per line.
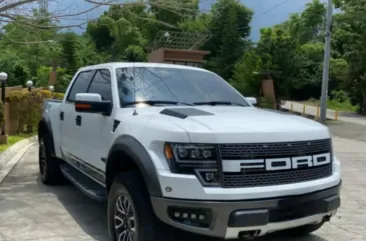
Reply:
x=26, y=106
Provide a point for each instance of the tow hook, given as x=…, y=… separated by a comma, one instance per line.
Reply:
x=327, y=218
x=249, y=235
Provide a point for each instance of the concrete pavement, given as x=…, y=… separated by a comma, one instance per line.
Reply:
x=30, y=211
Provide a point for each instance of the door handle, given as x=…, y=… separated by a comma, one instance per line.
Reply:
x=78, y=120
x=61, y=115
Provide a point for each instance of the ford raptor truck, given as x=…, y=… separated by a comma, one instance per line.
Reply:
x=175, y=148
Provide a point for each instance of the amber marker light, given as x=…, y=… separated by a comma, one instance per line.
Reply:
x=168, y=152
x=83, y=106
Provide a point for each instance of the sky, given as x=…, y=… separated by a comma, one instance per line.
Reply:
x=266, y=13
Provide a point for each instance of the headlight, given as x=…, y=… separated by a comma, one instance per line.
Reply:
x=197, y=159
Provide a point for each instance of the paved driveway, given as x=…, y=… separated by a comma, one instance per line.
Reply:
x=32, y=211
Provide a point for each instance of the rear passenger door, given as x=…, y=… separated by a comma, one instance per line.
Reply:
x=96, y=129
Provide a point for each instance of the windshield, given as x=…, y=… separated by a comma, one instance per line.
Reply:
x=182, y=86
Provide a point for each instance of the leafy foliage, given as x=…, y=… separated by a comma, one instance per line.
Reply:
x=244, y=78
x=291, y=52
x=26, y=106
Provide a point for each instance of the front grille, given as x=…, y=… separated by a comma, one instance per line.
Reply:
x=237, y=180
x=273, y=150
x=261, y=177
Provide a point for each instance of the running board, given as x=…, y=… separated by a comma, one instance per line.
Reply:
x=88, y=186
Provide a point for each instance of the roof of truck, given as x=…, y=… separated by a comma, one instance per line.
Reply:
x=139, y=64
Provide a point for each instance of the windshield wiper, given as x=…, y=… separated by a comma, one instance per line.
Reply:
x=217, y=103
x=154, y=102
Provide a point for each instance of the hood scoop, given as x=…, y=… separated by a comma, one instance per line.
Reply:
x=183, y=113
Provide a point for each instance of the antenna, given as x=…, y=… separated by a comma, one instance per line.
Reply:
x=134, y=89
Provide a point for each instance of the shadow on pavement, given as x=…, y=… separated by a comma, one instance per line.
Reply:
x=88, y=214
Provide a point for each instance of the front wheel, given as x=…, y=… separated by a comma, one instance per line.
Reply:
x=130, y=213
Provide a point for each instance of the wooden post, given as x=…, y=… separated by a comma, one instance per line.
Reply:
x=292, y=106
x=336, y=115
x=303, y=109
x=317, y=113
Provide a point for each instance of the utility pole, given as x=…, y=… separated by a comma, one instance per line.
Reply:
x=43, y=7
x=328, y=33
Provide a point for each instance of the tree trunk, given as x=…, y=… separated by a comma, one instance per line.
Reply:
x=363, y=106
x=53, y=75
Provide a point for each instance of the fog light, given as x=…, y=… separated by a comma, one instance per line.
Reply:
x=191, y=216
x=208, y=177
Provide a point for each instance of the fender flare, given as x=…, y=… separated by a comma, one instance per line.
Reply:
x=134, y=149
x=46, y=124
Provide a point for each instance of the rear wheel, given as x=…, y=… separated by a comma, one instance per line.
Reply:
x=303, y=230
x=49, y=167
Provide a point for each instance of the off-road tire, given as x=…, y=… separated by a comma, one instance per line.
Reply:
x=303, y=230
x=49, y=167
x=148, y=226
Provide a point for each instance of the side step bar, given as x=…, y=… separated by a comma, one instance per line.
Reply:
x=88, y=186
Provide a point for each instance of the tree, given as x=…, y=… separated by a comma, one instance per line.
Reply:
x=350, y=34
x=173, y=11
x=135, y=53
x=87, y=53
x=14, y=66
x=99, y=32
x=245, y=78
x=229, y=26
x=35, y=45
x=279, y=52
x=69, y=48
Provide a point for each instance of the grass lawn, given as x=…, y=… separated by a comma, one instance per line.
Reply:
x=14, y=139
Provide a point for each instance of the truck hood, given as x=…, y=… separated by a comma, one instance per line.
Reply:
x=230, y=124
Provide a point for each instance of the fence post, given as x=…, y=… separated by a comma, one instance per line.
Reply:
x=317, y=113
x=336, y=114
x=292, y=106
x=303, y=109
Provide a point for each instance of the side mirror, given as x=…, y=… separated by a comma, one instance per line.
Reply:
x=92, y=103
x=251, y=100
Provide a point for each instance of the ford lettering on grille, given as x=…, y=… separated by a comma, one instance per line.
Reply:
x=277, y=164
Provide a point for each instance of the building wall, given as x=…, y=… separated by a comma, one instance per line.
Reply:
x=177, y=56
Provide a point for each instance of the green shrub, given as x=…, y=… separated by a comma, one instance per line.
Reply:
x=266, y=103
x=26, y=106
x=340, y=101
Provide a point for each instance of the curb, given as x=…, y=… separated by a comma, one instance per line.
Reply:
x=10, y=157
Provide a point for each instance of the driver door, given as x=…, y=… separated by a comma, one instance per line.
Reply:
x=96, y=128
x=72, y=139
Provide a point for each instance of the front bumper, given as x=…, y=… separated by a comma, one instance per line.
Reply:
x=231, y=218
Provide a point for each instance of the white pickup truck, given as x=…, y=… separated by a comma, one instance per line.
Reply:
x=174, y=148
